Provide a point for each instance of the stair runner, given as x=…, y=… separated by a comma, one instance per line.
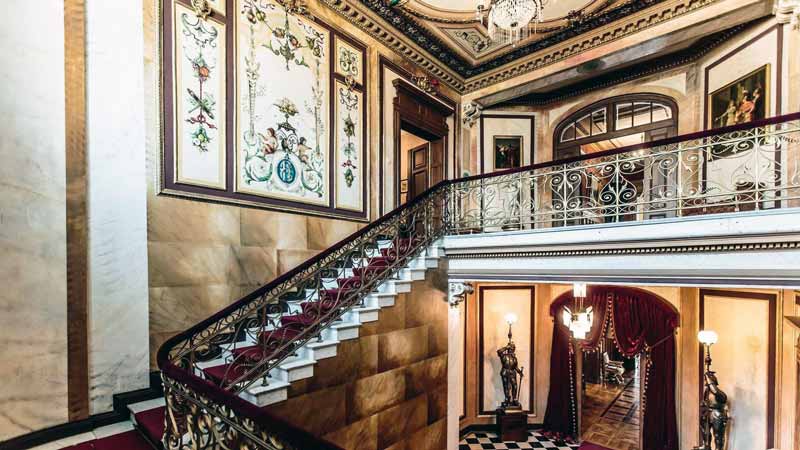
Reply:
x=302, y=311
x=148, y=417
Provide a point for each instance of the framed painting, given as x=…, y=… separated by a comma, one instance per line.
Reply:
x=507, y=152
x=283, y=115
x=199, y=73
x=741, y=101
x=258, y=109
x=349, y=142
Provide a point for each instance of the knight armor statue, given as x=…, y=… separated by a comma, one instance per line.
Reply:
x=511, y=374
x=715, y=412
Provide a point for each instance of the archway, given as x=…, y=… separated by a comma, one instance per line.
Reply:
x=640, y=322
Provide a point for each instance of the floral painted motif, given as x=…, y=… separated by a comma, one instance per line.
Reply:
x=349, y=101
x=284, y=142
x=348, y=62
x=202, y=103
x=199, y=99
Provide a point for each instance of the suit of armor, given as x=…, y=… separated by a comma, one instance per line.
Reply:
x=509, y=373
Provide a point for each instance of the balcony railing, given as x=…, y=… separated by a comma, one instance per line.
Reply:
x=745, y=168
x=208, y=369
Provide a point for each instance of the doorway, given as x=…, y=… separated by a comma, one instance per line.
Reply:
x=421, y=131
x=611, y=397
x=636, y=321
x=421, y=163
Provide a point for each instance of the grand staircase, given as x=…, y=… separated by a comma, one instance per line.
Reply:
x=221, y=375
x=148, y=416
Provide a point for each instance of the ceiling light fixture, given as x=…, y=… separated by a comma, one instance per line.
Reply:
x=509, y=20
x=580, y=322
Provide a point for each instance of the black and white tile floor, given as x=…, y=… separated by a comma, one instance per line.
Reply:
x=480, y=441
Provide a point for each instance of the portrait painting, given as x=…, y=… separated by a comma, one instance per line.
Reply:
x=507, y=152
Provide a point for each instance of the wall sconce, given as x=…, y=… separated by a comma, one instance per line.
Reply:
x=714, y=404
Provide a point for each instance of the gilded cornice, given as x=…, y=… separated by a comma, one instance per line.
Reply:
x=380, y=30
x=377, y=27
x=653, y=16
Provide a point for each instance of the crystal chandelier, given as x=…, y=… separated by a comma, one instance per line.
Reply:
x=579, y=322
x=509, y=20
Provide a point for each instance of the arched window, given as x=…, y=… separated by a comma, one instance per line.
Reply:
x=616, y=122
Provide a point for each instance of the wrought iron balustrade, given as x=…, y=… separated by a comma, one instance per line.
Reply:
x=737, y=169
x=206, y=368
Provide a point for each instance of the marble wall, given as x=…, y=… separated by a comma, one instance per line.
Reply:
x=388, y=388
x=117, y=191
x=33, y=308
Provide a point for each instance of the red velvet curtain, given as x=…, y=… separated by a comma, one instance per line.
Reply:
x=561, y=415
x=641, y=323
x=648, y=325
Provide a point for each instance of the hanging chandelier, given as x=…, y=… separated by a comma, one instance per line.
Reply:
x=579, y=322
x=509, y=20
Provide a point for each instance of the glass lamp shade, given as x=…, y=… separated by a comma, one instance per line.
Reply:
x=566, y=317
x=511, y=318
x=509, y=20
x=707, y=337
x=579, y=290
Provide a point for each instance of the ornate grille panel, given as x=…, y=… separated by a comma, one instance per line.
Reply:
x=745, y=170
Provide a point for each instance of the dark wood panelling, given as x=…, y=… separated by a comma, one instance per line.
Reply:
x=532, y=352
x=76, y=209
x=771, y=352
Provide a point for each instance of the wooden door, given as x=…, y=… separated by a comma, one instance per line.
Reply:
x=418, y=170
x=436, y=159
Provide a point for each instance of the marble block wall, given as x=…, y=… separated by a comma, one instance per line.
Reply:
x=33, y=298
x=203, y=256
x=117, y=211
x=388, y=388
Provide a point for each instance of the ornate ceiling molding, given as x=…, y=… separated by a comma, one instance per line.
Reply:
x=383, y=32
x=640, y=70
x=427, y=52
x=588, y=41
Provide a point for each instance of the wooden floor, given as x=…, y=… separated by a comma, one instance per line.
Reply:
x=610, y=415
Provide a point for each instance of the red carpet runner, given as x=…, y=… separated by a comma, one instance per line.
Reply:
x=150, y=422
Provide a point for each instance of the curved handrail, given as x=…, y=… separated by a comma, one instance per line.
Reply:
x=181, y=378
x=410, y=227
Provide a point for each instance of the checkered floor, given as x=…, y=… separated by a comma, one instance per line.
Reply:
x=479, y=441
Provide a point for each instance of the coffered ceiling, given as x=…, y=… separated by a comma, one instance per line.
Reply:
x=450, y=31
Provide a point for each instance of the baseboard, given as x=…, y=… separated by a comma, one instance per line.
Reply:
x=489, y=428
x=118, y=414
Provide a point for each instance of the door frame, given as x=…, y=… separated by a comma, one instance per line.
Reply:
x=419, y=123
